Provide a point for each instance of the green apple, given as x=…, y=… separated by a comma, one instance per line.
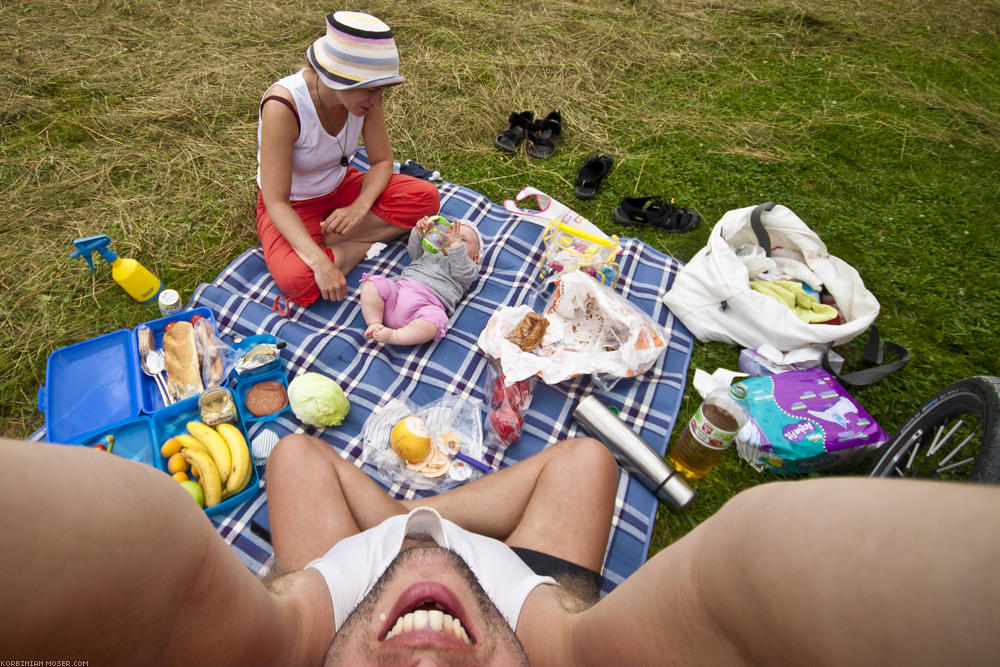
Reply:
x=194, y=488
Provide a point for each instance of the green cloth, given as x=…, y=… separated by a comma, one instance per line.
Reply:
x=790, y=293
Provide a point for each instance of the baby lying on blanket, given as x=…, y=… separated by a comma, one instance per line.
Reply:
x=414, y=308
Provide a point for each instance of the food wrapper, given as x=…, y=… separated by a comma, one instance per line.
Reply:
x=448, y=419
x=592, y=330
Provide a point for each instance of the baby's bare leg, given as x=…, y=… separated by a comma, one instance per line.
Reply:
x=417, y=331
x=372, y=305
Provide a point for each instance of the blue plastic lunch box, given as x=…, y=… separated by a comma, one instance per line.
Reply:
x=96, y=388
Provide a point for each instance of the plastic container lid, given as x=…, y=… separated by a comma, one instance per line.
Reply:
x=89, y=385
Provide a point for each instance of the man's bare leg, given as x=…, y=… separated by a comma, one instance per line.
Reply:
x=559, y=501
x=315, y=499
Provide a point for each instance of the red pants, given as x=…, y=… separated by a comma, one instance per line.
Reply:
x=404, y=201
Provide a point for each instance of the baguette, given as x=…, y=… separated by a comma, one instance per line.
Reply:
x=209, y=355
x=180, y=358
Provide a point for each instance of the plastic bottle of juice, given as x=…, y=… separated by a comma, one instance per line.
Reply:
x=708, y=435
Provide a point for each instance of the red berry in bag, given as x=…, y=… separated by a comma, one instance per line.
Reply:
x=503, y=394
x=506, y=423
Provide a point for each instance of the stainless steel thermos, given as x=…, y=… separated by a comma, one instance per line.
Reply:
x=633, y=453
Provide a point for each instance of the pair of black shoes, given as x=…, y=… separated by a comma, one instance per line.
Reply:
x=656, y=213
x=542, y=134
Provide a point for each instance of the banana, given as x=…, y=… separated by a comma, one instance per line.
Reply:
x=216, y=446
x=208, y=474
x=191, y=442
x=241, y=470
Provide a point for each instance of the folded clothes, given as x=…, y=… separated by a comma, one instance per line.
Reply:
x=789, y=264
x=805, y=306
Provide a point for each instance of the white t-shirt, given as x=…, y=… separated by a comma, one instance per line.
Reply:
x=316, y=167
x=354, y=564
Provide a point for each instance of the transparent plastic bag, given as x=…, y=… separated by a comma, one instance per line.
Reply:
x=449, y=419
x=591, y=330
x=506, y=402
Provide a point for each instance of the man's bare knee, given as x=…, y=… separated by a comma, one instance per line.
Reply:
x=292, y=452
x=589, y=459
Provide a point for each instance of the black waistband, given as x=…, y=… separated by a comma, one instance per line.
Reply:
x=582, y=581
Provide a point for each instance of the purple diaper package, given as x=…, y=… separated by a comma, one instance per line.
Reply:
x=803, y=421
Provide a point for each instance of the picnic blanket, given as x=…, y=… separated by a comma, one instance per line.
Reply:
x=328, y=338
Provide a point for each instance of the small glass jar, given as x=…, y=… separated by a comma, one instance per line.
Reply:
x=169, y=302
x=216, y=406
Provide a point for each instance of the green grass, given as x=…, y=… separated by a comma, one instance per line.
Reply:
x=878, y=123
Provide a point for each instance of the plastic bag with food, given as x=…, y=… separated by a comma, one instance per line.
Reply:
x=416, y=445
x=589, y=329
x=507, y=401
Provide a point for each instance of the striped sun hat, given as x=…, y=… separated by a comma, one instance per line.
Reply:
x=357, y=51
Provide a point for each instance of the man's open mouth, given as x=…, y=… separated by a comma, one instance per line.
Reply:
x=429, y=615
x=428, y=607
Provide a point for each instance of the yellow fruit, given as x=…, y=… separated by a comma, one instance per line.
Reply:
x=170, y=447
x=207, y=473
x=217, y=448
x=188, y=440
x=176, y=464
x=242, y=464
x=410, y=439
x=193, y=472
x=181, y=476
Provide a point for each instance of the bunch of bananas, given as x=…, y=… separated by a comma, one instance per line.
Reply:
x=219, y=457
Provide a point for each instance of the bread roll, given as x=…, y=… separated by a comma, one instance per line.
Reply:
x=180, y=358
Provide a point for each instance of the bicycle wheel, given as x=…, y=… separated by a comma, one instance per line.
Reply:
x=954, y=436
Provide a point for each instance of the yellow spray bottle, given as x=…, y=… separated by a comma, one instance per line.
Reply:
x=134, y=278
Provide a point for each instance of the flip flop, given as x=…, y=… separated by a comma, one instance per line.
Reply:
x=654, y=212
x=543, y=137
x=593, y=172
x=516, y=131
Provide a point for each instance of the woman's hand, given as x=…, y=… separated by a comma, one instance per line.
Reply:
x=331, y=282
x=343, y=220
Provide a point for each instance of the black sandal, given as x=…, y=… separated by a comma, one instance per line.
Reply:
x=544, y=136
x=654, y=212
x=592, y=173
x=515, y=132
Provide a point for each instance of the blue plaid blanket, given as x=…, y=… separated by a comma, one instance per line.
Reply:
x=328, y=338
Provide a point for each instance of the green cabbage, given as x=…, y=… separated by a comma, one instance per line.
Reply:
x=317, y=400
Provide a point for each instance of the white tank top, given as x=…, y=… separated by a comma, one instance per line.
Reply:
x=316, y=168
x=354, y=564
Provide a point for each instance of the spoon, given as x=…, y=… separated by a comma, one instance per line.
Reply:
x=152, y=365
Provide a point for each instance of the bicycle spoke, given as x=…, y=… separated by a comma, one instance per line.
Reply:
x=913, y=453
x=957, y=465
x=939, y=441
x=951, y=454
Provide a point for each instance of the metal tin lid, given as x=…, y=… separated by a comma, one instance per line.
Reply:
x=170, y=297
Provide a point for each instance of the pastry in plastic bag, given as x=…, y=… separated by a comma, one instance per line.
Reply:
x=528, y=333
